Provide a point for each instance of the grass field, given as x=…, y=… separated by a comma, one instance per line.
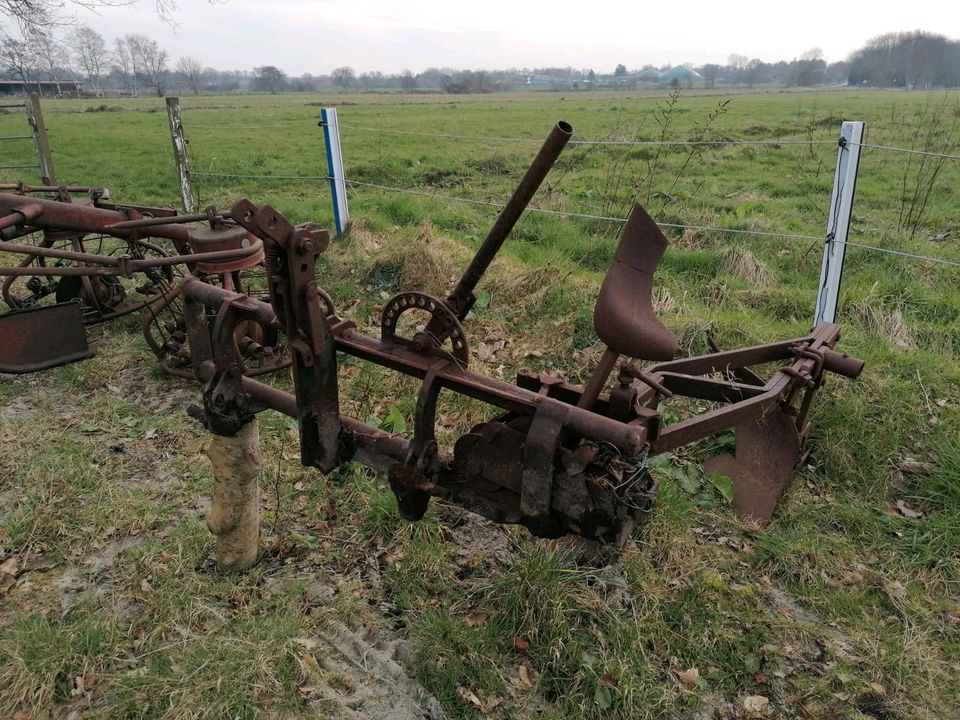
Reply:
x=847, y=606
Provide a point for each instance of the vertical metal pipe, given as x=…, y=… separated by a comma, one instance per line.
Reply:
x=460, y=299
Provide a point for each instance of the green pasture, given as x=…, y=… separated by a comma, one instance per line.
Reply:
x=846, y=606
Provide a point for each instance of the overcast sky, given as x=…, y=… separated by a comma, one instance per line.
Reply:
x=315, y=37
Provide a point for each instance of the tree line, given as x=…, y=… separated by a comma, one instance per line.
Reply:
x=135, y=64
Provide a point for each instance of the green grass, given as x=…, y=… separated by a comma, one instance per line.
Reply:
x=840, y=596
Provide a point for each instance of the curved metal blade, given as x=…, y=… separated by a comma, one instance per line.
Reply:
x=767, y=452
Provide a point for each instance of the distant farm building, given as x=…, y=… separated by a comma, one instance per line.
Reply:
x=648, y=75
x=44, y=87
x=680, y=73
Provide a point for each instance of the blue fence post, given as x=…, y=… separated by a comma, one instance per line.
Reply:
x=338, y=181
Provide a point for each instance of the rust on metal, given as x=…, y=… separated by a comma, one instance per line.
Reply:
x=70, y=245
x=552, y=456
x=41, y=338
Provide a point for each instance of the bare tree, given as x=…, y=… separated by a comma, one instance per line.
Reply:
x=737, y=63
x=710, y=72
x=343, y=76
x=123, y=65
x=408, y=81
x=153, y=60
x=190, y=72
x=90, y=51
x=20, y=59
x=135, y=43
x=51, y=52
x=29, y=15
x=269, y=79
x=139, y=59
x=751, y=71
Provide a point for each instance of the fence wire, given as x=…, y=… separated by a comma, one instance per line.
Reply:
x=583, y=216
x=909, y=151
x=494, y=138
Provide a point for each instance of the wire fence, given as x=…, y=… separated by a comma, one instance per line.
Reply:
x=412, y=191
x=494, y=138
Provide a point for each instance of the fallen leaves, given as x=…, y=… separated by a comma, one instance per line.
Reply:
x=473, y=698
x=907, y=511
x=477, y=619
x=524, y=680
x=910, y=466
x=689, y=677
x=12, y=568
x=487, y=349
x=520, y=644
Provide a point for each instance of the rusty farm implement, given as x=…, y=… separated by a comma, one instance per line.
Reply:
x=72, y=259
x=554, y=457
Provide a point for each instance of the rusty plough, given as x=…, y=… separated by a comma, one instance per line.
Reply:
x=555, y=457
x=69, y=258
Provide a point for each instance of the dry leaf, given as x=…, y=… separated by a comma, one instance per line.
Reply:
x=908, y=511
x=21, y=715
x=755, y=703
x=878, y=688
x=607, y=679
x=689, y=677
x=523, y=678
x=7, y=582
x=477, y=619
x=470, y=696
x=37, y=561
x=487, y=350
x=520, y=645
x=915, y=467
x=311, y=668
x=8, y=566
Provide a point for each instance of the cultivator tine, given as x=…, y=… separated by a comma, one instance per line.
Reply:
x=41, y=338
x=768, y=450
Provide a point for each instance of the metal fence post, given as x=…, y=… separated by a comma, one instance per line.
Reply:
x=40, y=141
x=838, y=221
x=179, y=140
x=338, y=180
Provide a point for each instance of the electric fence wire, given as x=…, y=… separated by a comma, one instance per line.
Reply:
x=585, y=216
x=582, y=216
x=909, y=151
x=452, y=136
x=260, y=177
x=702, y=228
x=626, y=143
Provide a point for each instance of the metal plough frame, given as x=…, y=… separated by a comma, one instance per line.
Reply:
x=556, y=458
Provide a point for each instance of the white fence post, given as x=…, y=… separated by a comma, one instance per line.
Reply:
x=175, y=118
x=838, y=221
x=338, y=180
